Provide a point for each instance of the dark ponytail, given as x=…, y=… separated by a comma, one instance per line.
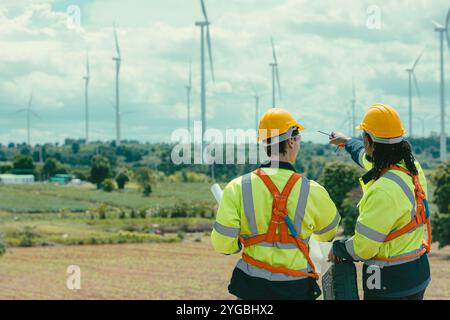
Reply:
x=386, y=155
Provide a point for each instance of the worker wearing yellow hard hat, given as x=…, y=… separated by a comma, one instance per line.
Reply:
x=272, y=212
x=393, y=212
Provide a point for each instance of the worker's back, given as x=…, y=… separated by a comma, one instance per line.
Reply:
x=246, y=211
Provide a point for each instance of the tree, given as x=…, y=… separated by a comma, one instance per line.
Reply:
x=23, y=165
x=50, y=167
x=338, y=178
x=108, y=185
x=441, y=179
x=121, y=179
x=2, y=247
x=350, y=211
x=441, y=221
x=100, y=170
x=143, y=176
x=75, y=147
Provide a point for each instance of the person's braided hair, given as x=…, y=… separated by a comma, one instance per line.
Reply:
x=386, y=155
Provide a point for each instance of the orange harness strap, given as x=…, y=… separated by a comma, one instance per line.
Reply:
x=419, y=219
x=279, y=212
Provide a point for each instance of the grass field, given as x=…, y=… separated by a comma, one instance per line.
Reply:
x=41, y=198
x=187, y=270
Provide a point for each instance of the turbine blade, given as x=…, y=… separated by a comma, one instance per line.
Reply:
x=278, y=81
x=273, y=51
x=117, y=41
x=416, y=84
x=437, y=24
x=211, y=63
x=204, y=10
x=447, y=21
x=35, y=114
x=418, y=59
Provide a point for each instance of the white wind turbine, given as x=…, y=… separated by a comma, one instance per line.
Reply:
x=275, y=75
x=443, y=31
x=188, y=102
x=29, y=112
x=204, y=33
x=86, y=78
x=412, y=76
x=118, y=60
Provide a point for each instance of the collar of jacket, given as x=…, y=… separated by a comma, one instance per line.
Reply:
x=368, y=176
x=278, y=164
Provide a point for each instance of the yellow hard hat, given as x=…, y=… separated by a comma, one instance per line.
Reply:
x=383, y=124
x=277, y=122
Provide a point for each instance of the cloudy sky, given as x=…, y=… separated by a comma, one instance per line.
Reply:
x=321, y=46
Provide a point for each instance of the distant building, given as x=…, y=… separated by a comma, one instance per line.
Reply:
x=61, y=178
x=16, y=178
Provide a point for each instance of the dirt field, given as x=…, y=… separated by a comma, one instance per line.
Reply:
x=188, y=270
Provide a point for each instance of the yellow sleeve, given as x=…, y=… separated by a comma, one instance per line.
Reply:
x=374, y=223
x=323, y=209
x=364, y=162
x=227, y=226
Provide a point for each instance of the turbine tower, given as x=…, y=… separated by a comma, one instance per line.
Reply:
x=118, y=60
x=188, y=92
x=412, y=76
x=275, y=75
x=256, y=97
x=86, y=78
x=204, y=33
x=443, y=31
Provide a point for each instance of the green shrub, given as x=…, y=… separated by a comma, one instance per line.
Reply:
x=2, y=247
x=147, y=190
x=181, y=235
x=338, y=179
x=349, y=211
x=108, y=185
x=101, y=211
x=121, y=179
x=441, y=179
x=440, y=223
x=28, y=236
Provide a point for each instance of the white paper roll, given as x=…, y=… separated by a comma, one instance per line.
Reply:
x=217, y=192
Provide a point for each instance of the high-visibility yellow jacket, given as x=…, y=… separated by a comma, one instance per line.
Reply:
x=246, y=208
x=388, y=204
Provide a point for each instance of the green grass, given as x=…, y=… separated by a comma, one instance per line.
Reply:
x=42, y=198
x=45, y=214
x=49, y=229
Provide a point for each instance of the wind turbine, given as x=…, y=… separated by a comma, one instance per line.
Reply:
x=204, y=33
x=412, y=76
x=443, y=31
x=86, y=78
x=256, y=97
x=118, y=60
x=29, y=113
x=188, y=92
x=275, y=75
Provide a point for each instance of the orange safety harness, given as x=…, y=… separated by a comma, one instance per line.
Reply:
x=279, y=219
x=421, y=218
